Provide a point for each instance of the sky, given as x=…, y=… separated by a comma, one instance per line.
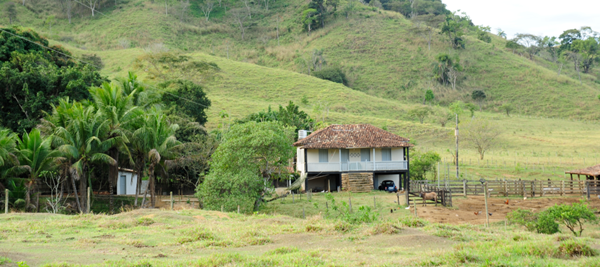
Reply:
x=539, y=17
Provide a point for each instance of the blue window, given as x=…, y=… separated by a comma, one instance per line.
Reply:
x=365, y=154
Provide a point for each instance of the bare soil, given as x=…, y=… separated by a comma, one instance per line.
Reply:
x=465, y=209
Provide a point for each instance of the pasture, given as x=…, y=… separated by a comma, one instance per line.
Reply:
x=279, y=235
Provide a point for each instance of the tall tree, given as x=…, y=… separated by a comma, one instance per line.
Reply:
x=36, y=153
x=530, y=42
x=244, y=164
x=120, y=115
x=479, y=96
x=481, y=135
x=589, y=51
x=186, y=97
x=85, y=141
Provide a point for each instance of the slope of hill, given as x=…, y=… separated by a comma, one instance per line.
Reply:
x=378, y=50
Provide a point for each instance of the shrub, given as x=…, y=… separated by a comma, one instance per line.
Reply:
x=342, y=227
x=575, y=248
x=196, y=235
x=144, y=221
x=334, y=74
x=413, y=222
x=542, y=222
x=385, y=228
x=573, y=216
x=545, y=224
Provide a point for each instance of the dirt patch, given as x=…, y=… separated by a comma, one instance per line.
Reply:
x=472, y=209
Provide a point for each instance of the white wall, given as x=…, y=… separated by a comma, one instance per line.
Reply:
x=382, y=177
x=312, y=155
x=300, y=160
x=125, y=185
x=398, y=154
x=354, y=155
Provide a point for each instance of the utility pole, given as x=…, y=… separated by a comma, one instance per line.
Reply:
x=456, y=134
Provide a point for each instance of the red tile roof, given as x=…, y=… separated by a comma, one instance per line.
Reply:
x=352, y=136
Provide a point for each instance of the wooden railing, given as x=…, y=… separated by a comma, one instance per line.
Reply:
x=505, y=188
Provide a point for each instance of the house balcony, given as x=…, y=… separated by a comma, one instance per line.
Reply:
x=358, y=166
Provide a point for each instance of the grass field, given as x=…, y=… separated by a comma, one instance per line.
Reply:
x=191, y=237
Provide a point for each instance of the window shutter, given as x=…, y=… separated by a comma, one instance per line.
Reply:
x=365, y=154
x=323, y=155
x=386, y=154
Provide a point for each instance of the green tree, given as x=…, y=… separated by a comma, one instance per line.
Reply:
x=574, y=216
x=446, y=69
x=454, y=28
x=507, y=107
x=513, y=45
x=501, y=33
x=589, y=50
x=290, y=116
x=479, y=96
x=334, y=74
x=187, y=98
x=471, y=108
x=428, y=97
x=442, y=116
x=420, y=113
x=33, y=78
x=421, y=163
x=85, y=141
x=120, y=115
x=8, y=147
x=530, y=42
x=37, y=154
x=162, y=145
x=244, y=165
x=457, y=107
x=10, y=11
x=482, y=34
x=310, y=18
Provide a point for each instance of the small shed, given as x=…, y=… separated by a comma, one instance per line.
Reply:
x=591, y=173
x=127, y=182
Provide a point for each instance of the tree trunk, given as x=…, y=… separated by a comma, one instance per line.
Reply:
x=560, y=68
x=140, y=168
x=113, y=175
x=76, y=195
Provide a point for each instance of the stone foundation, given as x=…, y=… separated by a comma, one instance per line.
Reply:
x=357, y=182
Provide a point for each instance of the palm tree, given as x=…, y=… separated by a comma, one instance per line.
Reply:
x=84, y=141
x=36, y=153
x=159, y=144
x=8, y=147
x=119, y=114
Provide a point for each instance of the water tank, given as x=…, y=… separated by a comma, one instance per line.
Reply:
x=302, y=134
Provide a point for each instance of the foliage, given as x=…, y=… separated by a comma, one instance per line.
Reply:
x=442, y=116
x=411, y=9
x=423, y=162
x=481, y=134
x=471, y=107
x=478, y=96
x=334, y=74
x=454, y=27
x=444, y=67
x=187, y=98
x=482, y=34
x=34, y=78
x=420, y=113
x=541, y=222
x=93, y=60
x=343, y=211
x=290, y=116
x=429, y=97
x=244, y=163
x=576, y=248
x=573, y=216
x=507, y=108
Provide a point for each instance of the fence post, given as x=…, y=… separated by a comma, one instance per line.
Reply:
x=465, y=188
x=303, y=214
x=172, y=202
x=239, y=209
x=415, y=205
x=587, y=186
x=398, y=197
x=6, y=201
x=374, y=203
x=350, y=203
x=292, y=196
x=487, y=214
x=562, y=188
x=505, y=189
x=523, y=188
x=88, y=200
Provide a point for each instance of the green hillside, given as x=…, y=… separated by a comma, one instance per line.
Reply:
x=379, y=51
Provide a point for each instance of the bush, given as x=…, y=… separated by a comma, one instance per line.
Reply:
x=542, y=222
x=575, y=248
x=334, y=74
x=412, y=222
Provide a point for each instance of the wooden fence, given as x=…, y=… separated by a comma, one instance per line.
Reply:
x=505, y=188
x=444, y=196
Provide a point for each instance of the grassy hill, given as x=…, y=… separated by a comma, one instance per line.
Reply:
x=379, y=51
x=389, y=69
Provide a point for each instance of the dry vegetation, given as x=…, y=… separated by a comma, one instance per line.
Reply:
x=194, y=237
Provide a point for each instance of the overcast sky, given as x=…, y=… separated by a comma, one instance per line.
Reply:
x=539, y=17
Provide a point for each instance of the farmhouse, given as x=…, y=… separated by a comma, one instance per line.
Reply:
x=353, y=157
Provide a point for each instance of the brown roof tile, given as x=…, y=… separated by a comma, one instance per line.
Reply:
x=352, y=136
